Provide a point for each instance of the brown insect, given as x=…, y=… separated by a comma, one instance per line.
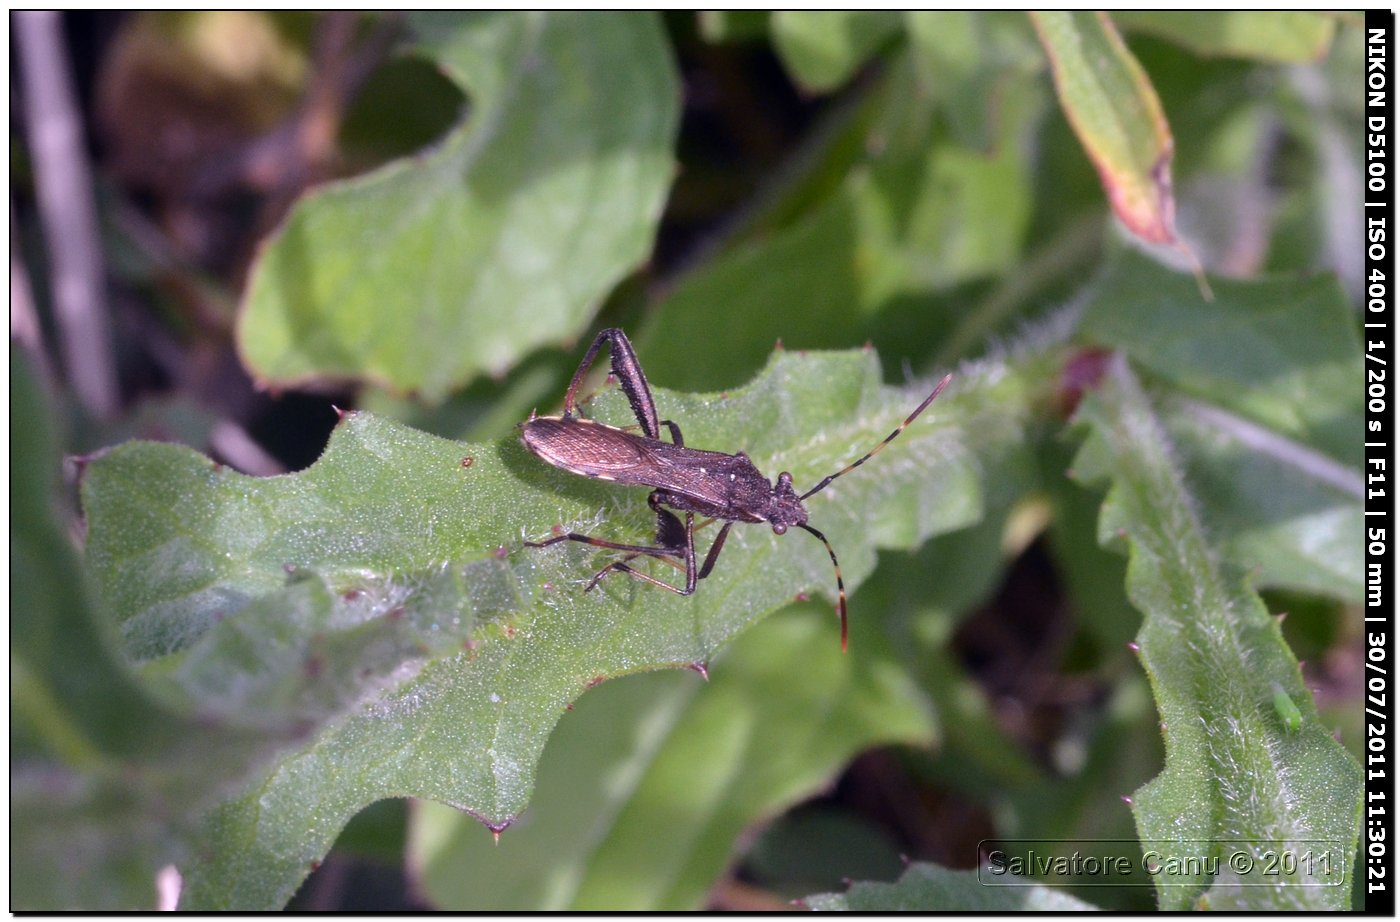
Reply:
x=720, y=486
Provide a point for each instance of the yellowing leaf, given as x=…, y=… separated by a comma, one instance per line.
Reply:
x=1115, y=112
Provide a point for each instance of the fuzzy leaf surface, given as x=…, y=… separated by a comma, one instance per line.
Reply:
x=96, y=755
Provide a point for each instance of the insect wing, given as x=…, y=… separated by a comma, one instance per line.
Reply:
x=591, y=449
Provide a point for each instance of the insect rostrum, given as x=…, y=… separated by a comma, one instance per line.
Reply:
x=719, y=486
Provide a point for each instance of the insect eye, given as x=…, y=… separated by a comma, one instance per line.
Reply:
x=779, y=528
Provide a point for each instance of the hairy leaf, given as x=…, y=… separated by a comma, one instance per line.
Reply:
x=397, y=559
x=1241, y=778
x=97, y=757
x=899, y=228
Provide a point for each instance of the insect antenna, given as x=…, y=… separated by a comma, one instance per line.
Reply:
x=840, y=583
x=872, y=453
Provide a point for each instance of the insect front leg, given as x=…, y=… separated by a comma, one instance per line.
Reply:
x=714, y=550
x=629, y=374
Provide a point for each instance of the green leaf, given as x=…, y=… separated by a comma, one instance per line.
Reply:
x=1115, y=112
x=1240, y=778
x=464, y=648
x=664, y=772
x=417, y=275
x=1283, y=36
x=823, y=49
x=930, y=888
x=1267, y=408
x=819, y=846
x=1281, y=352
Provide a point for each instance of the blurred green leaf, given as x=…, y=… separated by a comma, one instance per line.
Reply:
x=418, y=276
x=930, y=888
x=665, y=772
x=820, y=846
x=732, y=25
x=1281, y=352
x=1284, y=36
x=823, y=49
x=96, y=758
x=1238, y=778
x=972, y=63
x=1273, y=504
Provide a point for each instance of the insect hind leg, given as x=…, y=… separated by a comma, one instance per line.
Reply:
x=639, y=549
x=673, y=540
x=634, y=551
x=629, y=374
x=621, y=567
